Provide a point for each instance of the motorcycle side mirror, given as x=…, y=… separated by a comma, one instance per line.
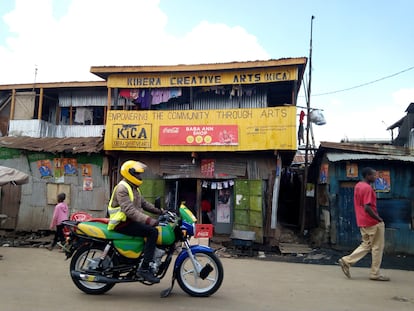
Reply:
x=157, y=203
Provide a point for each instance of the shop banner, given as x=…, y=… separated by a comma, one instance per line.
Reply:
x=202, y=130
x=180, y=135
x=206, y=78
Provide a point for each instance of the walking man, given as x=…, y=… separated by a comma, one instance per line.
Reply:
x=371, y=226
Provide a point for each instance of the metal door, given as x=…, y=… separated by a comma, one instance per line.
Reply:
x=248, y=210
x=348, y=233
x=224, y=211
x=10, y=204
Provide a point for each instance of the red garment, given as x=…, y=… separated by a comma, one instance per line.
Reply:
x=205, y=206
x=301, y=116
x=364, y=194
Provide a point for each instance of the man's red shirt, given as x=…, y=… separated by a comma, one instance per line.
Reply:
x=364, y=194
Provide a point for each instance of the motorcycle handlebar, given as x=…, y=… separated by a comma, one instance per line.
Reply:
x=167, y=217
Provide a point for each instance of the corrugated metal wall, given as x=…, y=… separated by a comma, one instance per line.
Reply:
x=84, y=98
x=40, y=128
x=35, y=213
x=256, y=100
x=395, y=207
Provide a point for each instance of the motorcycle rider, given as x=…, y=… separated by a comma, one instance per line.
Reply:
x=126, y=213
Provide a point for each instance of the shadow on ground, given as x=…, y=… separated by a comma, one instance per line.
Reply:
x=319, y=256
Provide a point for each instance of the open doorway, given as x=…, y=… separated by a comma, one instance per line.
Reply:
x=179, y=190
x=200, y=200
x=208, y=205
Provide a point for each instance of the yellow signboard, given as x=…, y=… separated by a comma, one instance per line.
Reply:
x=202, y=130
x=200, y=78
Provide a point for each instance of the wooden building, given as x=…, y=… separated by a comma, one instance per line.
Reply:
x=220, y=132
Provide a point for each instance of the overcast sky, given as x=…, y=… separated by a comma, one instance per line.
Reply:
x=355, y=42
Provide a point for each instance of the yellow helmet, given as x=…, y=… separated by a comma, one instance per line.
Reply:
x=132, y=170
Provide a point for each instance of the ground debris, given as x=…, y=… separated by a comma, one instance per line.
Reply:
x=26, y=239
x=401, y=298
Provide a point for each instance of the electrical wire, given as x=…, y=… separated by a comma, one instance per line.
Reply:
x=365, y=84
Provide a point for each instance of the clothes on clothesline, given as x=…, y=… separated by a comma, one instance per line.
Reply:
x=146, y=97
x=83, y=115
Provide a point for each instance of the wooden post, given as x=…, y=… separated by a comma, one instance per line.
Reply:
x=70, y=115
x=13, y=104
x=305, y=174
x=57, y=117
x=109, y=98
x=39, y=113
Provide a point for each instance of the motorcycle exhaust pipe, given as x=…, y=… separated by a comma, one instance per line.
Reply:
x=95, y=278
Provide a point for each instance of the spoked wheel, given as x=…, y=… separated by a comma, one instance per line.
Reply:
x=85, y=260
x=209, y=280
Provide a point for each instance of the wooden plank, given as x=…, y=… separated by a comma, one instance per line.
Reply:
x=289, y=248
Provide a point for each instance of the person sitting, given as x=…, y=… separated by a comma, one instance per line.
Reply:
x=126, y=214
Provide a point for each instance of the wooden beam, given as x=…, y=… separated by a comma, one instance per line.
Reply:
x=13, y=104
x=39, y=113
x=70, y=115
x=109, y=99
x=57, y=117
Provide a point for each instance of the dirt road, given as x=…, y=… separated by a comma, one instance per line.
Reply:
x=34, y=279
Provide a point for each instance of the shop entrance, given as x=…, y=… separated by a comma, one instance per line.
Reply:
x=210, y=201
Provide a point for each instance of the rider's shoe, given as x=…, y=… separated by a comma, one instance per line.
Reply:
x=148, y=276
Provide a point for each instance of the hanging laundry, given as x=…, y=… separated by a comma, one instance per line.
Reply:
x=144, y=99
x=65, y=115
x=131, y=94
x=83, y=115
x=175, y=92
x=248, y=90
x=160, y=95
x=301, y=128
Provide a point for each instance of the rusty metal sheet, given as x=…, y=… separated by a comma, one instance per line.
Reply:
x=344, y=156
x=366, y=148
x=54, y=145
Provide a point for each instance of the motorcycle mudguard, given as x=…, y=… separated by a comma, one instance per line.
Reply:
x=194, y=249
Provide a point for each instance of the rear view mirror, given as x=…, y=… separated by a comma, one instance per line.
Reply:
x=157, y=203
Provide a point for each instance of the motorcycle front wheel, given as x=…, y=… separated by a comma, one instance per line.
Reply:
x=83, y=261
x=204, y=285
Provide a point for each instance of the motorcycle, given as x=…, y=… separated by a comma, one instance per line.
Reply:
x=101, y=258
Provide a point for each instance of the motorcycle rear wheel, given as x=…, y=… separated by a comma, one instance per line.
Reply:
x=80, y=262
x=192, y=283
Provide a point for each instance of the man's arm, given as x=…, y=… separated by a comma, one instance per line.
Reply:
x=370, y=212
x=149, y=207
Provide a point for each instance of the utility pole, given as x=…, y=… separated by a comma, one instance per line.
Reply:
x=308, y=124
x=35, y=76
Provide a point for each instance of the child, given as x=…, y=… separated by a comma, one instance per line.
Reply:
x=60, y=214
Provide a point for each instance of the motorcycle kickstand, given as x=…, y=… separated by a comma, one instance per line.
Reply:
x=166, y=292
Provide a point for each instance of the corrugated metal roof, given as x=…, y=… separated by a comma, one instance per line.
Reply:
x=343, y=156
x=301, y=158
x=54, y=145
x=53, y=85
x=105, y=71
x=365, y=148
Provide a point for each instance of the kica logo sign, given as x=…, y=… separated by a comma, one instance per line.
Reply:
x=132, y=135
